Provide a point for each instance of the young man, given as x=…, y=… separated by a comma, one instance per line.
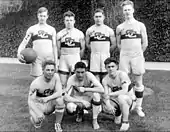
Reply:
x=71, y=45
x=119, y=96
x=100, y=40
x=82, y=92
x=43, y=37
x=132, y=42
x=45, y=96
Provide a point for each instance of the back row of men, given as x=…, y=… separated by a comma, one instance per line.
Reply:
x=68, y=45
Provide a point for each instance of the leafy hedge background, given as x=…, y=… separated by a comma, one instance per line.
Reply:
x=155, y=15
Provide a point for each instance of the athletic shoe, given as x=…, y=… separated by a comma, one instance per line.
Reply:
x=80, y=114
x=118, y=119
x=124, y=127
x=140, y=112
x=58, y=127
x=36, y=125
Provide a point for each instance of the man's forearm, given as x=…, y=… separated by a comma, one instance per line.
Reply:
x=54, y=96
x=98, y=90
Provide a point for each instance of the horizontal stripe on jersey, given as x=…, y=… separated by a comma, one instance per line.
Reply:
x=70, y=45
x=129, y=36
x=37, y=37
x=104, y=38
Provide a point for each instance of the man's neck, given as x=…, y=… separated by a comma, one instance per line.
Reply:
x=130, y=20
x=99, y=25
x=46, y=79
x=42, y=24
x=113, y=76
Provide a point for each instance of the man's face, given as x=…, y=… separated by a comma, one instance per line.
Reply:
x=111, y=68
x=49, y=71
x=128, y=11
x=98, y=18
x=42, y=17
x=80, y=73
x=69, y=22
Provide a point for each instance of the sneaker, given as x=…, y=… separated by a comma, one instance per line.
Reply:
x=79, y=117
x=140, y=112
x=36, y=125
x=80, y=113
x=124, y=127
x=58, y=127
x=118, y=119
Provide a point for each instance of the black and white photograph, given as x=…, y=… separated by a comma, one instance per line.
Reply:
x=84, y=65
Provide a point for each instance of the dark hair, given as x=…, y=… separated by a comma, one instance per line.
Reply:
x=48, y=62
x=69, y=14
x=99, y=10
x=42, y=9
x=127, y=2
x=80, y=64
x=109, y=60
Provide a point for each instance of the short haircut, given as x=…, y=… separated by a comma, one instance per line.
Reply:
x=109, y=60
x=127, y=2
x=48, y=62
x=42, y=9
x=98, y=10
x=69, y=14
x=80, y=64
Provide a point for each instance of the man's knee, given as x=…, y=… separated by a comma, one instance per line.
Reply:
x=60, y=103
x=71, y=108
x=96, y=97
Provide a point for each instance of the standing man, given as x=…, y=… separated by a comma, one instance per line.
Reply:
x=83, y=92
x=71, y=45
x=45, y=96
x=43, y=37
x=100, y=40
x=119, y=96
x=132, y=42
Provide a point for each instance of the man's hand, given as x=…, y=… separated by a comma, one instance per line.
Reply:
x=43, y=100
x=21, y=58
x=81, y=89
x=86, y=103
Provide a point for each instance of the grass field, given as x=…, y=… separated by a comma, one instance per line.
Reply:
x=14, y=85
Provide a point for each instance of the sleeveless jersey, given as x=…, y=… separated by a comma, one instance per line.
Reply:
x=131, y=37
x=100, y=39
x=44, y=89
x=42, y=40
x=70, y=41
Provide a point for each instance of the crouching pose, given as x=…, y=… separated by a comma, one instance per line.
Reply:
x=119, y=97
x=45, y=96
x=82, y=92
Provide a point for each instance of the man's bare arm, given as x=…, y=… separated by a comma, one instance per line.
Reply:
x=82, y=42
x=112, y=41
x=144, y=37
x=55, y=51
x=25, y=40
x=118, y=35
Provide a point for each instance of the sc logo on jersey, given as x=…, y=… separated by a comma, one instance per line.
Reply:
x=131, y=34
x=69, y=41
x=99, y=36
x=42, y=34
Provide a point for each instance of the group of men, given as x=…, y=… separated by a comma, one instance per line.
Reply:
x=106, y=87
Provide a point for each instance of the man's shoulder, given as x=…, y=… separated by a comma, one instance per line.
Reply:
x=36, y=81
x=91, y=28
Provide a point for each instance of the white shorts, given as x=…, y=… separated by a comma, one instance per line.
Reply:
x=134, y=64
x=97, y=62
x=67, y=62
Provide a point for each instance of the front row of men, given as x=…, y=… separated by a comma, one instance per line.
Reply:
x=114, y=96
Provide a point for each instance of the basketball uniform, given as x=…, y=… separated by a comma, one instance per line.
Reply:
x=43, y=46
x=70, y=49
x=115, y=85
x=131, y=54
x=100, y=47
